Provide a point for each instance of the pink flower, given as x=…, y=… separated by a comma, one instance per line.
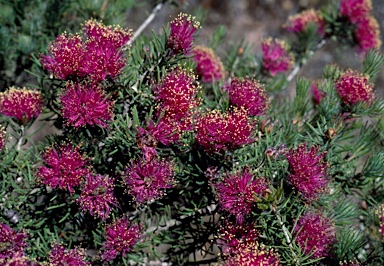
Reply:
x=354, y=87
x=367, y=34
x=237, y=193
x=18, y=259
x=148, y=180
x=12, y=243
x=66, y=168
x=248, y=93
x=166, y=131
x=307, y=171
x=208, y=65
x=182, y=33
x=121, y=236
x=315, y=233
x=23, y=104
x=59, y=256
x=301, y=21
x=253, y=254
x=317, y=94
x=276, y=56
x=355, y=10
x=65, y=57
x=86, y=104
x=97, y=196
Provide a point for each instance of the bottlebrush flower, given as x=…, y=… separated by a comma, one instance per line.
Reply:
x=86, y=104
x=276, y=56
x=248, y=93
x=301, y=21
x=18, y=259
x=367, y=34
x=23, y=104
x=97, y=196
x=148, y=180
x=236, y=193
x=121, y=236
x=252, y=254
x=315, y=233
x=354, y=87
x=59, y=256
x=12, y=243
x=355, y=10
x=208, y=65
x=307, y=171
x=317, y=94
x=166, y=131
x=65, y=56
x=182, y=30
x=65, y=167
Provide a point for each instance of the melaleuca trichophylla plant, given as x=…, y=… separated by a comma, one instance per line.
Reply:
x=168, y=152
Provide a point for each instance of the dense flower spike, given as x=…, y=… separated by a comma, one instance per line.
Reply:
x=166, y=130
x=316, y=234
x=18, y=259
x=236, y=193
x=182, y=33
x=367, y=34
x=301, y=21
x=208, y=65
x=253, y=255
x=86, y=104
x=276, y=57
x=97, y=196
x=307, y=171
x=148, y=180
x=23, y=104
x=121, y=236
x=355, y=10
x=354, y=87
x=12, y=243
x=59, y=256
x=248, y=93
x=66, y=168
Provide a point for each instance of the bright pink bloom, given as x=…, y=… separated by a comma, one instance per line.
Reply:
x=166, y=131
x=18, y=259
x=354, y=87
x=308, y=171
x=86, y=104
x=59, y=256
x=276, y=56
x=236, y=193
x=317, y=94
x=182, y=33
x=97, y=196
x=301, y=21
x=253, y=255
x=23, y=104
x=66, y=168
x=355, y=10
x=121, y=236
x=250, y=94
x=367, y=34
x=65, y=56
x=12, y=243
x=208, y=65
x=315, y=233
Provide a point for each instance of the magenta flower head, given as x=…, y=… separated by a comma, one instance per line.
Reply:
x=249, y=94
x=11, y=242
x=208, y=65
x=86, y=104
x=182, y=33
x=300, y=22
x=237, y=193
x=354, y=87
x=65, y=57
x=23, y=104
x=97, y=196
x=317, y=94
x=307, y=171
x=18, y=259
x=367, y=34
x=315, y=233
x=253, y=254
x=276, y=56
x=121, y=236
x=148, y=180
x=355, y=10
x=59, y=256
x=65, y=167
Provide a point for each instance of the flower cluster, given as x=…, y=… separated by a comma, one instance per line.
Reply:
x=18, y=259
x=86, y=104
x=11, y=243
x=65, y=168
x=23, y=104
x=217, y=132
x=236, y=193
x=307, y=171
x=249, y=94
x=59, y=255
x=300, y=22
x=276, y=57
x=355, y=10
x=315, y=234
x=208, y=65
x=166, y=131
x=253, y=254
x=354, y=87
x=121, y=236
